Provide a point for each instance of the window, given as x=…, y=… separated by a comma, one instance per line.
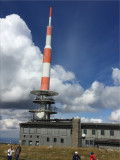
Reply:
x=85, y=131
x=24, y=136
x=63, y=132
x=30, y=136
x=93, y=132
x=87, y=142
x=26, y=130
x=38, y=130
x=91, y=142
x=71, y=131
x=102, y=132
x=55, y=139
x=111, y=133
x=30, y=143
x=48, y=139
x=23, y=142
x=62, y=140
x=37, y=143
x=37, y=136
x=31, y=130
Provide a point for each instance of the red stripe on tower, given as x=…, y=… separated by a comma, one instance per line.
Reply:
x=45, y=80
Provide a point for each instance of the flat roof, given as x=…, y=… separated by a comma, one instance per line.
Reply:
x=48, y=124
x=100, y=126
x=64, y=122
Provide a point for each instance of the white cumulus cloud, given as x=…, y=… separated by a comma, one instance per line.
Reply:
x=96, y=97
x=115, y=116
x=10, y=118
x=91, y=120
x=59, y=72
x=7, y=124
x=116, y=76
x=21, y=60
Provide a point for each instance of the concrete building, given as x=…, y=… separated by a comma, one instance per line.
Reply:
x=55, y=132
x=102, y=135
x=70, y=132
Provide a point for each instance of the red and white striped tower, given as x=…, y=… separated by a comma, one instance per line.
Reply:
x=46, y=109
x=45, y=80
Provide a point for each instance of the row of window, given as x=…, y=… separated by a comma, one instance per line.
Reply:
x=30, y=136
x=45, y=131
x=85, y=132
x=55, y=140
x=47, y=140
x=102, y=132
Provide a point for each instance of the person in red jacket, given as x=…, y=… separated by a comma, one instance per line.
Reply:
x=92, y=156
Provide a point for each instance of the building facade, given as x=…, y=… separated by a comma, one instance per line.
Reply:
x=102, y=135
x=70, y=132
x=46, y=133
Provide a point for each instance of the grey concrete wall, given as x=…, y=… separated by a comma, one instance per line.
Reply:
x=63, y=136
x=76, y=134
x=98, y=134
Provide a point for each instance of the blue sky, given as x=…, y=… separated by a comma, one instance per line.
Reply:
x=85, y=34
x=85, y=43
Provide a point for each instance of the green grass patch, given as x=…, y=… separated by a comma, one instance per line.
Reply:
x=59, y=153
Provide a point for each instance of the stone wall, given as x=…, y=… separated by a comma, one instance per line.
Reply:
x=76, y=132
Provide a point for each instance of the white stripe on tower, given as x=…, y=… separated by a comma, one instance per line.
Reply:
x=45, y=80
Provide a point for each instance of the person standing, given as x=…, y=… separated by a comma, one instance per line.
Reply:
x=92, y=156
x=76, y=156
x=17, y=152
x=10, y=151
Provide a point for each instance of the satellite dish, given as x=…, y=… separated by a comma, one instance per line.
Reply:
x=39, y=115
